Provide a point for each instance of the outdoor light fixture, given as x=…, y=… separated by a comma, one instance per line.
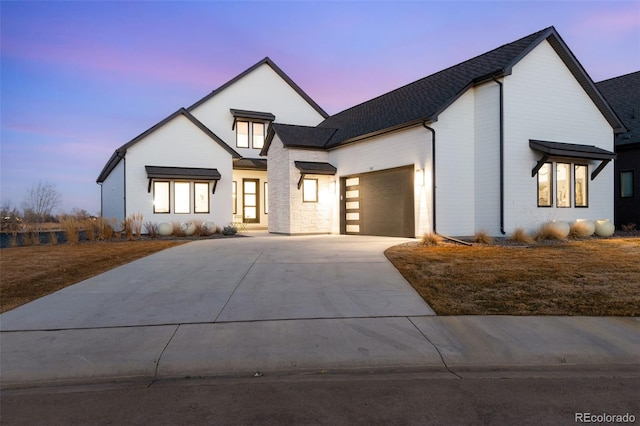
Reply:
x=420, y=177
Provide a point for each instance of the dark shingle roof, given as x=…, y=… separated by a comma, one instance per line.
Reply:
x=250, y=164
x=182, y=173
x=572, y=150
x=300, y=136
x=426, y=98
x=623, y=94
x=315, y=168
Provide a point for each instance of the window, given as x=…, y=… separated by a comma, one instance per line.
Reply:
x=545, y=185
x=161, y=197
x=310, y=190
x=255, y=137
x=626, y=184
x=258, y=135
x=266, y=198
x=580, y=185
x=563, y=182
x=242, y=134
x=181, y=202
x=201, y=197
x=234, y=191
x=250, y=206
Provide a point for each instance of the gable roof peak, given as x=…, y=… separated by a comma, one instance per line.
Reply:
x=270, y=63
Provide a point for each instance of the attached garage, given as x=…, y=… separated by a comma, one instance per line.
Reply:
x=379, y=203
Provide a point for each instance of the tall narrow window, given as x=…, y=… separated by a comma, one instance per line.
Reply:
x=250, y=197
x=310, y=190
x=258, y=135
x=626, y=184
x=182, y=202
x=242, y=134
x=545, y=184
x=234, y=192
x=161, y=197
x=563, y=185
x=580, y=186
x=201, y=197
x=266, y=198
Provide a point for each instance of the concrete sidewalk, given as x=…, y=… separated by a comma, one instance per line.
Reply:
x=279, y=305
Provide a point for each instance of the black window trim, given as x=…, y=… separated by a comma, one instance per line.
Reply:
x=168, y=198
x=303, y=191
x=586, y=182
x=208, y=197
x=551, y=186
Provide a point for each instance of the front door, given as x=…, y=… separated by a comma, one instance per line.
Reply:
x=251, y=200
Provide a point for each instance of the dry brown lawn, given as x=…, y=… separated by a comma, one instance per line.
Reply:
x=27, y=273
x=595, y=277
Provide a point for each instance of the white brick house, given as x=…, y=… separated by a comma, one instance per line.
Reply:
x=517, y=136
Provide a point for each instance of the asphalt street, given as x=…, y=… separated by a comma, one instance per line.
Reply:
x=414, y=398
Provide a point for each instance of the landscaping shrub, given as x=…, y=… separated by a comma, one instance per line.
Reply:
x=629, y=227
x=53, y=237
x=520, y=236
x=177, y=229
x=229, y=230
x=71, y=228
x=549, y=232
x=90, y=229
x=483, y=237
x=105, y=228
x=151, y=228
x=580, y=230
x=431, y=239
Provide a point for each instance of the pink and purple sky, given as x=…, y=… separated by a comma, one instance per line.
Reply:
x=79, y=79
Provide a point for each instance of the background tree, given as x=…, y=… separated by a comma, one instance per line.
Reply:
x=40, y=201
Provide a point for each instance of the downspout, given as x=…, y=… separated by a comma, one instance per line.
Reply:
x=501, y=155
x=433, y=173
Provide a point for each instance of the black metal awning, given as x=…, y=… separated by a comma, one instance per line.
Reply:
x=259, y=164
x=187, y=173
x=251, y=115
x=314, y=168
x=570, y=150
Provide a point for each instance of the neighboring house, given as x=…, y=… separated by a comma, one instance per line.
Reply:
x=512, y=138
x=623, y=94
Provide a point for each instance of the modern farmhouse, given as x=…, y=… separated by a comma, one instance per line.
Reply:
x=512, y=138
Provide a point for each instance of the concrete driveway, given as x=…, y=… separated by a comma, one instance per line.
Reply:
x=278, y=304
x=234, y=280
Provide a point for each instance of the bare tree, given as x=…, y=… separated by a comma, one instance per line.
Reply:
x=40, y=200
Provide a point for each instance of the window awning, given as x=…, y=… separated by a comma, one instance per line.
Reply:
x=255, y=115
x=314, y=168
x=570, y=150
x=250, y=164
x=187, y=173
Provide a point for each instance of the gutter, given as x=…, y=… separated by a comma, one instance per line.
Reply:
x=433, y=173
x=501, y=154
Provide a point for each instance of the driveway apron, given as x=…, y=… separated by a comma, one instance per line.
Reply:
x=228, y=280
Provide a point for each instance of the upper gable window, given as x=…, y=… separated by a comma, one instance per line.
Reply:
x=250, y=134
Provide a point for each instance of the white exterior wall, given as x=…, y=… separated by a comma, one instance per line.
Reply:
x=487, y=158
x=543, y=101
x=455, y=170
x=112, y=193
x=397, y=149
x=262, y=90
x=238, y=176
x=179, y=143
